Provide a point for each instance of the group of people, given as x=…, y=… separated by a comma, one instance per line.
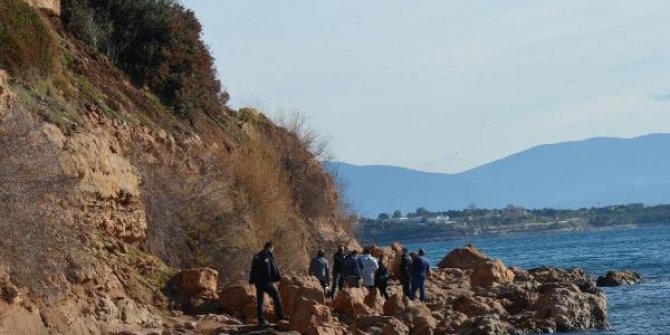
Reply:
x=352, y=269
x=349, y=269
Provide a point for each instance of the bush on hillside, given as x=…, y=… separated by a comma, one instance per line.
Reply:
x=157, y=43
x=35, y=240
x=27, y=48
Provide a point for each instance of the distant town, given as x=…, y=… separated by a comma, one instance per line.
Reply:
x=423, y=224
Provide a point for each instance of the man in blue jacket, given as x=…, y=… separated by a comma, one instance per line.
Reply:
x=264, y=273
x=420, y=271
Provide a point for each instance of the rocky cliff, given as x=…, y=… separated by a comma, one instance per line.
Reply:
x=107, y=193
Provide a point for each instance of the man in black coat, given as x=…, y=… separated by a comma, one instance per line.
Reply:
x=264, y=273
x=405, y=272
x=338, y=270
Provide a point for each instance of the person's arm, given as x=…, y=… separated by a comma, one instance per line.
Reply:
x=252, y=272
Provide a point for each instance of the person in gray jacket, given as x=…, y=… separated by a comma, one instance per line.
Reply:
x=318, y=268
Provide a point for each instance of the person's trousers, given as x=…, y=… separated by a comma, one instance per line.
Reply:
x=418, y=284
x=271, y=290
x=406, y=286
x=338, y=283
x=324, y=285
x=354, y=281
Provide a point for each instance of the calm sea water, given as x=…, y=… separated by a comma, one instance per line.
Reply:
x=640, y=309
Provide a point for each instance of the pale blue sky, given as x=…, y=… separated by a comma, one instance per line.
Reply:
x=447, y=85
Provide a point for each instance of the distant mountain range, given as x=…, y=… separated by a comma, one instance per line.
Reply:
x=594, y=172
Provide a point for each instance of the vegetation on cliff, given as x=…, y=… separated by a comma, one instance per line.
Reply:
x=157, y=44
x=120, y=164
x=27, y=49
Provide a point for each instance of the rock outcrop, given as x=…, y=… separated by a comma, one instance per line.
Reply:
x=312, y=318
x=619, y=278
x=483, y=296
x=351, y=302
x=465, y=258
x=293, y=290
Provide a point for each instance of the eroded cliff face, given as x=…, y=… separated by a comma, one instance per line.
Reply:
x=106, y=195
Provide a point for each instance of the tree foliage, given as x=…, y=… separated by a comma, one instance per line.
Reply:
x=157, y=43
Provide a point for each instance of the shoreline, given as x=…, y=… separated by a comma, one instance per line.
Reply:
x=486, y=234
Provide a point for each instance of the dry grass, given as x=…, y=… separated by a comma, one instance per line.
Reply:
x=34, y=239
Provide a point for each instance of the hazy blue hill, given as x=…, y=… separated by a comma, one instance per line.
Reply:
x=376, y=188
x=567, y=175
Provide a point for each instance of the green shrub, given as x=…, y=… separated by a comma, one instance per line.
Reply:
x=27, y=48
x=157, y=43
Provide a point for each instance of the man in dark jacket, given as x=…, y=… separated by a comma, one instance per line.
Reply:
x=318, y=267
x=405, y=272
x=264, y=273
x=338, y=270
x=420, y=271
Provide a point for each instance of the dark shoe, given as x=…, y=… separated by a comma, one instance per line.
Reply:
x=263, y=323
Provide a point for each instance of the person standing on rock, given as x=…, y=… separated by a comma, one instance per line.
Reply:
x=264, y=273
x=405, y=272
x=338, y=269
x=318, y=268
x=368, y=268
x=352, y=270
x=420, y=271
x=382, y=278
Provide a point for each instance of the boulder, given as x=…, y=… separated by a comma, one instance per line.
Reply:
x=375, y=301
x=379, y=325
x=571, y=309
x=417, y=317
x=351, y=302
x=488, y=325
x=466, y=258
x=294, y=289
x=395, y=305
x=240, y=301
x=477, y=306
x=491, y=273
x=619, y=278
x=199, y=282
x=312, y=318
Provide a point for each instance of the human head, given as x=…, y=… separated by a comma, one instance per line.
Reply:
x=412, y=254
x=340, y=248
x=320, y=253
x=354, y=252
x=269, y=246
x=421, y=252
x=404, y=251
x=366, y=251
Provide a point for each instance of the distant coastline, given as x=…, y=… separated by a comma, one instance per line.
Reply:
x=424, y=225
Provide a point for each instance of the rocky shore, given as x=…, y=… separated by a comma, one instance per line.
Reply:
x=468, y=293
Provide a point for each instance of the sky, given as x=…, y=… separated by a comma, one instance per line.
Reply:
x=442, y=85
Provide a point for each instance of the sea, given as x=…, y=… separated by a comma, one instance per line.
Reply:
x=638, y=309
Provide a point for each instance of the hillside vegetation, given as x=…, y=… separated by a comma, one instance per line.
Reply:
x=120, y=164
